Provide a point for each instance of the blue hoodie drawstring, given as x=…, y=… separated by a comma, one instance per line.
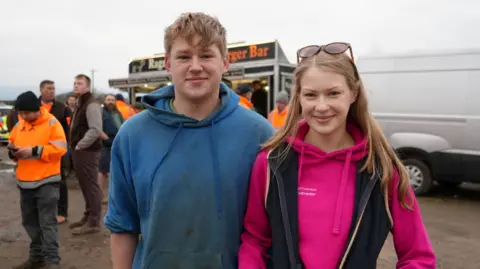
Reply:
x=218, y=183
x=152, y=177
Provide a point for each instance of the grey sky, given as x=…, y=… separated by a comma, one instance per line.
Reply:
x=58, y=39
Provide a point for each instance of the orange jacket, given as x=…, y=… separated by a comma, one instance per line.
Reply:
x=46, y=133
x=245, y=103
x=125, y=109
x=277, y=119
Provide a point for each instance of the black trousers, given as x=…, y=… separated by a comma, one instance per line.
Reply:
x=63, y=201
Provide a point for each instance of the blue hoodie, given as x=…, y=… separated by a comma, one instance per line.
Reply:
x=182, y=183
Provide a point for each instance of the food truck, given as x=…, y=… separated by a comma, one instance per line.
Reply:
x=262, y=64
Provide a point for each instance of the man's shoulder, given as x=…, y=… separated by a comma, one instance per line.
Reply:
x=246, y=118
x=138, y=123
x=59, y=104
x=94, y=106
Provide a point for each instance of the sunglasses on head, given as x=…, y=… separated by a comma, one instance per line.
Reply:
x=334, y=48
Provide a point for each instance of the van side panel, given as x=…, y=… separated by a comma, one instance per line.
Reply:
x=435, y=100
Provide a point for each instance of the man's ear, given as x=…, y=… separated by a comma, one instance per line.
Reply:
x=167, y=63
x=226, y=64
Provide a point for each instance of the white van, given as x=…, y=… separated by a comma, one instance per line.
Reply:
x=429, y=108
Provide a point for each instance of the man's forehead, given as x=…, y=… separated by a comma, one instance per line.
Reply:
x=196, y=43
x=48, y=85
x=184, y=48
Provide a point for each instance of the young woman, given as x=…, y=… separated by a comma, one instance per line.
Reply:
x=326, y=191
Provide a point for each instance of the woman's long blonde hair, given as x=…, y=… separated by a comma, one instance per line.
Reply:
x=381, y=156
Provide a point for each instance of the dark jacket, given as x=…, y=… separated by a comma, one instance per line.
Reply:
x=12, y=119
x=368, y=231
x=109, y=126
x=79, y=125
x=61, y=112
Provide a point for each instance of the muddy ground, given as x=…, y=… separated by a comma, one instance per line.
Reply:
x=452, y=218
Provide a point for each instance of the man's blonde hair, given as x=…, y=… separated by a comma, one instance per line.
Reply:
x=188, y=25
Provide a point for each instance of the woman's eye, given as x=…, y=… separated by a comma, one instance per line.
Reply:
x=333, y=93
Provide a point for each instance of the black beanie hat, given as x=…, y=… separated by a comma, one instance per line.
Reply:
x=27, y=101
x=244, y=88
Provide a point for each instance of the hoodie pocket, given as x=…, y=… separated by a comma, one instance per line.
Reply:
x=160, y=259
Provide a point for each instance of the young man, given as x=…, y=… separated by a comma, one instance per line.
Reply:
x=179, y=173
x=38, y=143
x=63, y=115
x=86, y=145
x=112, y=120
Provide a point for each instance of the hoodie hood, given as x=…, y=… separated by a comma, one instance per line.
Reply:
x=311, y=157
x=44, y=116
x=314, y=155
x=158, y=107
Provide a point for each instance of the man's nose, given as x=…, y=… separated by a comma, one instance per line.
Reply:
x=196, y=64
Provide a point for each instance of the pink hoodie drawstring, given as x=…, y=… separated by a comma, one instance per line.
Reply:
x=341, y=195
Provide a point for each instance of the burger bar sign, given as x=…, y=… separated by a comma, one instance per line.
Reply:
x=147, y=65
x=254, y=52
x=247, y=53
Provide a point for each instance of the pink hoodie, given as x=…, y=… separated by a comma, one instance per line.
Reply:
x=325, y=208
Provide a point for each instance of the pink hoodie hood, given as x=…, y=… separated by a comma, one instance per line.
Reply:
x=310, y=155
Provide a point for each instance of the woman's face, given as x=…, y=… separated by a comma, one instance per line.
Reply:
x=325, y=99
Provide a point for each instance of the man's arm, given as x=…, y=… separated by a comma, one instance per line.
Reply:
x=122, y=217
x=57, y=143
x=123, y=250
x=94, y=119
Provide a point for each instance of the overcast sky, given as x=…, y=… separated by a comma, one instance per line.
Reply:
x=57, y=39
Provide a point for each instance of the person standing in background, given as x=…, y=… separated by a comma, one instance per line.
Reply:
x=112, y=120
x=278, y=116
x=71, y=102
x=63, y=115
x=86, y=144
x=12, y=119
x=259, y=98
x=245, y=93
x=37, y=144
x=124, y=108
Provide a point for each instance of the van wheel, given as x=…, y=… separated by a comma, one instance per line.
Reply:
x=420, y=176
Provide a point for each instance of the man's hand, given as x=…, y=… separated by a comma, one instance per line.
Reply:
x=77, y=147
x=23, y=153
x=10, y=146
x=104, y=136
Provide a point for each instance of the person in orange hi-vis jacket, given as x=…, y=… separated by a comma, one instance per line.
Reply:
x=125, y=109
x=278, y=116
x=37, y=144
x=244, y=91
